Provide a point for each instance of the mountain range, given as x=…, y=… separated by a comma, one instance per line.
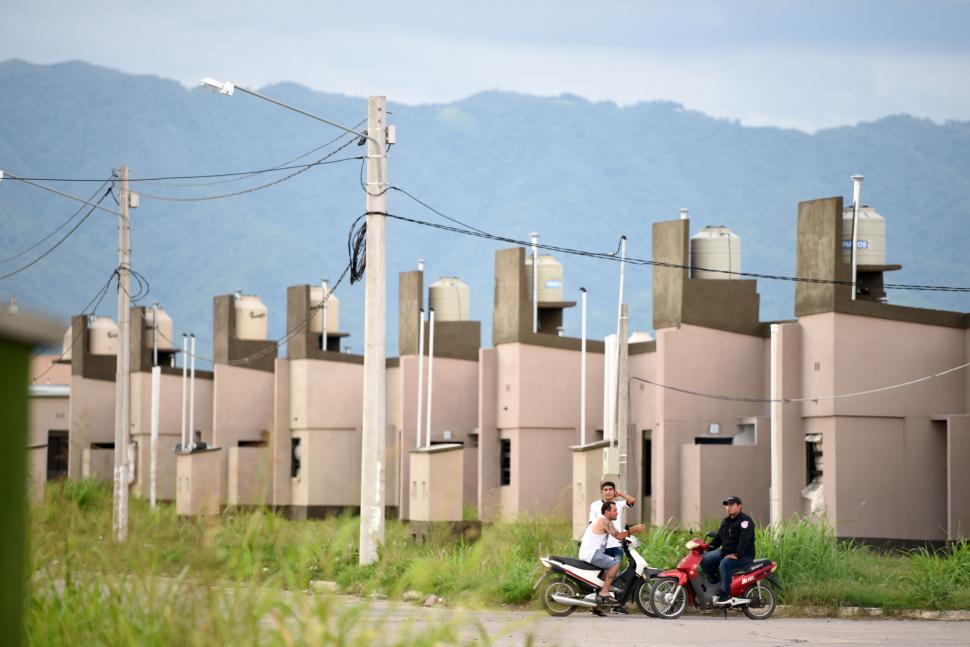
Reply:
x=580, y=173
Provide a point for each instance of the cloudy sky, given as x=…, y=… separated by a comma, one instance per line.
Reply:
x=803, y=64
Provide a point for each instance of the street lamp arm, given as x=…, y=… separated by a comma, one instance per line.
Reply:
x=229, y=87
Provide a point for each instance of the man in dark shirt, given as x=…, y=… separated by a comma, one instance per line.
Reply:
x=735, y=539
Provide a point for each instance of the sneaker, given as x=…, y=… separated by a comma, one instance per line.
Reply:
x=622, y=610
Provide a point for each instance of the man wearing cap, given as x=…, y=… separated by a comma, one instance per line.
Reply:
x=735, y=538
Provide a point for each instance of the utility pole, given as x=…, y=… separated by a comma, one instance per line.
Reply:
x=623, y=398
x=119, y=517
x=375, y=336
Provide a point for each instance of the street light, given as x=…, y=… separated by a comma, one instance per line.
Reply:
x=374, y=418
x=228, y=88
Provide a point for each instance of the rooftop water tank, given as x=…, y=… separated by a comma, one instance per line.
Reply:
x=68, y=342
x=251, y=317
x=102, y=336
x=870, y=236
x=448, y=297
x=550, y=278
x=333, y=311
x=639, y=336
x=714, y=253
x=166, y=334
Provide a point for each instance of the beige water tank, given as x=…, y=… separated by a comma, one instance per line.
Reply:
x=870, y=237
x=550, y=278
x=102, y=336
x=639, y=336
x=714, y=252
x=166, y=330
x=251, y=317
x=448, y=297
x=333, y=311
x=68, y=342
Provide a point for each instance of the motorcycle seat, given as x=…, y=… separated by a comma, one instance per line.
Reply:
x=576, y=563
x=755, y=565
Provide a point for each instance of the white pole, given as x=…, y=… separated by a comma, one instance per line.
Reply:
x=619, y=334
x=535, y=281
x=610, y=366
x=683, y=214
x=156, y=379
x=122, y=387
x=774, y=492
x=856, y=192
x=185, y=386
x=427, y=434
x=374, y=418
x=582, y=369
x=623, y=398
x=323, y=340
x=420, y=374
x=191, y=429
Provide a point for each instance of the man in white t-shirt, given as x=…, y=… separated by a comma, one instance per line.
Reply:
x=623, y=501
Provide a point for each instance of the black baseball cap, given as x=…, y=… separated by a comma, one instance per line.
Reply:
x=730, y=500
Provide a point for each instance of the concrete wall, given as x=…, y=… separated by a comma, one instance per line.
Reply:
x=709, y=473
x=488, y=436
x=92, y=418
x=250, y=476
x=958, y=486
x=169, y=428
x=537, y=407
x=242, y=405
x=708, y=361
x=199, y=484
x=432, y=492
x=281, y=438
x=587, y=470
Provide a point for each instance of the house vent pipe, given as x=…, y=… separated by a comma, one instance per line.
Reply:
x=535, y=281
x=185, y=386
x=420, y=374
x=856, y=194
x=427, y=439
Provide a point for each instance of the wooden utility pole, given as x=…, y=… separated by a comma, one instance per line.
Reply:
x=119, y=519
x=372, y=459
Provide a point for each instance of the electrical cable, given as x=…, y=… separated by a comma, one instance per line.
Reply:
x=816, y=399
x=59, y=242
x=647, y=262
x=242, y=176
x=57, y=229
x=279, y=342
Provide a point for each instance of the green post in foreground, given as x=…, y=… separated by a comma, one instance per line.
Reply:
x=18, y=335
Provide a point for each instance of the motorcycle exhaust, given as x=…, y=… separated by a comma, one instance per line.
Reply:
x=574, y=602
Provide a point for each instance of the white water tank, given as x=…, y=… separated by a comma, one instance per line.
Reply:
x=639, y=336
x=550, y=278
x=68, y=342
x=251, y=317
x=870, y=236
x=448, y=297
x=166, y=334
x=333, y=311
x=714, y=253
x=102, y=336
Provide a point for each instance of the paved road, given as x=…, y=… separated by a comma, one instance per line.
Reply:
x=514, y=628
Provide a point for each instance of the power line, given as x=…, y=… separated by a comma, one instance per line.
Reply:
x=816, y=398
x=59, y=242
x=51, y=189
x=467, y=231
x=279, y=342
x=57, y=229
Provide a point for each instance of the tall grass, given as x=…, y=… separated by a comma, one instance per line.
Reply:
x=198, y=574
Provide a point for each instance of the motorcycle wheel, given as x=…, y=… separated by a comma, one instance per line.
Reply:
x=557, y=585
x=668, y=598
x=641, y=594
x=762, y=604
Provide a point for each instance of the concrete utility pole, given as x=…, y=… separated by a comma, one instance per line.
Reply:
x=623, y=398
x=119, y=519
x=375, y=336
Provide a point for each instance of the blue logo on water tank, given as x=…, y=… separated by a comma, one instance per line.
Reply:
x=859, y=244
x=553, y=284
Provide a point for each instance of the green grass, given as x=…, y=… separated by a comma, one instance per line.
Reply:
x=175, y=580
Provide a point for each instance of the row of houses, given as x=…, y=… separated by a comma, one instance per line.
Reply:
x=787, y=415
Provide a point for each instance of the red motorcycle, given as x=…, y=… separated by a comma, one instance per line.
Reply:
x=687, y=584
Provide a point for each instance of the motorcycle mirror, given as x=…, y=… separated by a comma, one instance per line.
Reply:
x=712, y=534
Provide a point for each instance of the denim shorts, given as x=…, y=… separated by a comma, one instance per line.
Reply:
x=601, y=560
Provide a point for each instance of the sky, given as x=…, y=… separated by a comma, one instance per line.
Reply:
x=799, y=64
